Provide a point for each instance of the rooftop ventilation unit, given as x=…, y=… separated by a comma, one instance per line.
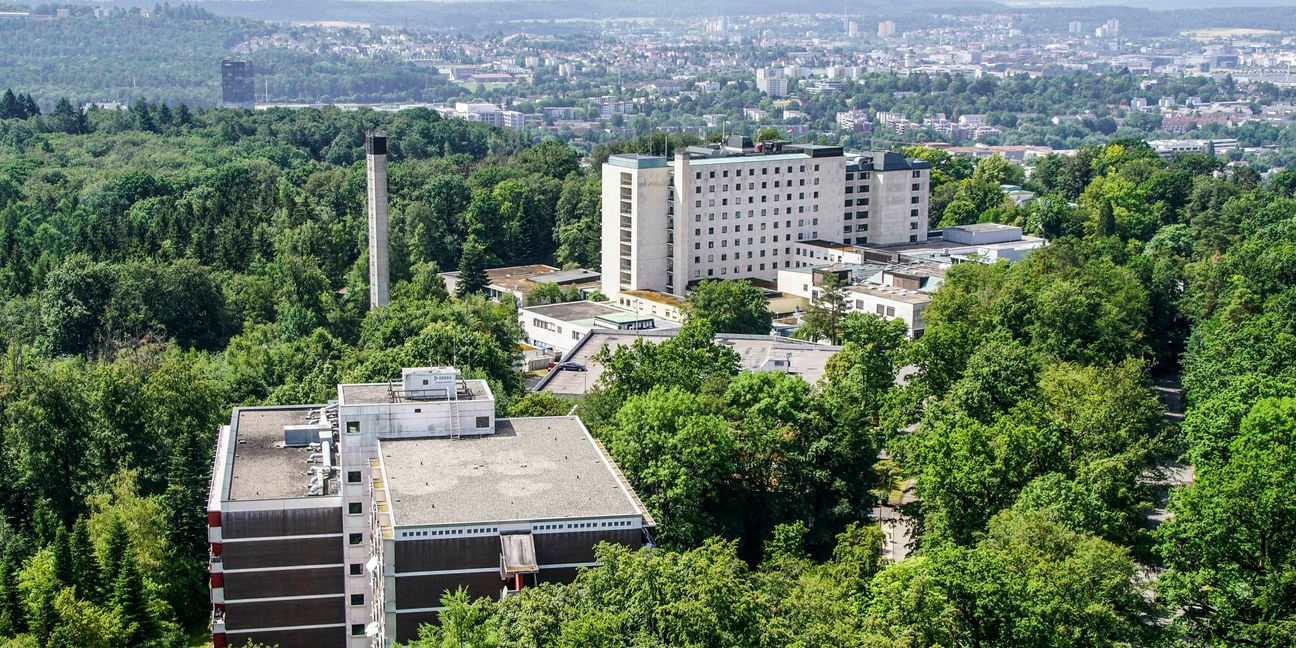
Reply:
x=430, y=383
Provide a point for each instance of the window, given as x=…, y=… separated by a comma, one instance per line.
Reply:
x=355, y=508
x=913, y=213
x=881, y=310
x=913, y=225
x=357, y=599
x=353, y=427
x=890, y=311
x=484, y=421
x=356, y=569
x=353, y=476
x=917, y=174
x=915, y=186
x=355, y=539
x=357, y=629
x=913, y=200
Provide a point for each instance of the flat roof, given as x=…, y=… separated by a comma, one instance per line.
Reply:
x=262, y=467
x=808, y=358
x=388, y=393
x=637, y=161
x=984, y=227
x=755, y=157
x=577, y=310
x=543, y=468
x=653, y=295
x=888, y=292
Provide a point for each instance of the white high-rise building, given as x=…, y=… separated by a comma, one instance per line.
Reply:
x=737, y=210
x=886, y=29
x=772, y=81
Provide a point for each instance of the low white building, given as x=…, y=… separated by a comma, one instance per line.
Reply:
x=559, y=327
x=875, y=289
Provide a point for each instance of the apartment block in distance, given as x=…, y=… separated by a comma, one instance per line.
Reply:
x=737, y=210
x=342, y=524
x=238, y=84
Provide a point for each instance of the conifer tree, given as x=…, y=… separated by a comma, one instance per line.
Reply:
x=85, y=565
x=11, y=612
x=63, y=557
x=116, y=545
x=131, y=602
x=472, y=268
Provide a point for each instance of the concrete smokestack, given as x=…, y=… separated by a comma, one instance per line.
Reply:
x=376, y=175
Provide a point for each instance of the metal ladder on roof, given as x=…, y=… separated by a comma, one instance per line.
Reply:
x=454, y=420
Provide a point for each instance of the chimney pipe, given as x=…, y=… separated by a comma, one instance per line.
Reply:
x=376, y=175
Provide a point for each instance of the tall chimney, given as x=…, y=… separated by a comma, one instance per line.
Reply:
x=376, y=175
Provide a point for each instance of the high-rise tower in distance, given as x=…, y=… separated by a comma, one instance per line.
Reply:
x=376, y=175
x=238, y=84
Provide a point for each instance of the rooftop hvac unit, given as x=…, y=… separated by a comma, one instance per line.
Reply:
x=430, y=382
x=301, y=436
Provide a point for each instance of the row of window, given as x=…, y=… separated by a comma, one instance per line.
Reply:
x=724, y=229
x=736, y=270
x=751, y=186
x=751, y=213
x=737, y=255
x=580, y=525
x=738, y=172
x=431, y=533
x=751, y=200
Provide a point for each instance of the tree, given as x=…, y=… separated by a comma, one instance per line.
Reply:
x=85, y=565
x=130, y=602
x=39, y=585
x=827, y=311
x=81, y=623
x=540, y=404
x=731, y=306
x=678, y=456
x=1229, y=543
x=1029, y=582
x=461, y=624
x=12, y=612
x=959, y=212
x=9, y=106
x=691, y=360
x=472, y=268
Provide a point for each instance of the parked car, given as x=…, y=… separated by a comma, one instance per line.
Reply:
x=571, y=366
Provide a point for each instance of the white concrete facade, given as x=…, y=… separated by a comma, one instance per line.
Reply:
x=670, y=224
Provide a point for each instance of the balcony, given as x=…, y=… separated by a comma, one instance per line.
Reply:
x=626, y=237
x=625, y=250
x=625, y=266
x=626, y=223
x=625, y=193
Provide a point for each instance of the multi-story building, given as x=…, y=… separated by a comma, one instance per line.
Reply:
x=772, y=82
x=342, y=524
x=736, y=211
x=238, y=84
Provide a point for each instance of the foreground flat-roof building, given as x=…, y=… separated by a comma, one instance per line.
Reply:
x=343, y=524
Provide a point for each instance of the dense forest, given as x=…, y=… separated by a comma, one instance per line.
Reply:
x=162, y=264
x=174, y=55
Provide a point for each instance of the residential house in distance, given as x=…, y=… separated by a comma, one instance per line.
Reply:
x=342, y=524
